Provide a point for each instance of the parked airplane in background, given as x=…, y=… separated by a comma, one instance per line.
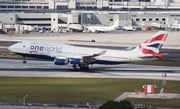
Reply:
x=103, y=29
x=82, y=57
x=158, y=25
x=175, y=26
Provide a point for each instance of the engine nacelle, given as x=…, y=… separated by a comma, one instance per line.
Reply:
x=60, y=61
x=75, y=61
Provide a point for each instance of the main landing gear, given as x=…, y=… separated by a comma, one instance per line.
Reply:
x=24, y=61
x=81, y=67
x=75, y=66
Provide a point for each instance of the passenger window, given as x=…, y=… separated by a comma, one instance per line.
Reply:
x=137, y=19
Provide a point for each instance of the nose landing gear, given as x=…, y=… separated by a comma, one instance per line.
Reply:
x=24, y=61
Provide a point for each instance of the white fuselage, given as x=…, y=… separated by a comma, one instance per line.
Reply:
x=41, y=49
x=100, y=28
x=103, y=28
x=175, y=26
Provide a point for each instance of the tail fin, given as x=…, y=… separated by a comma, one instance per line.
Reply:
x=153, y=45
x=116, y=24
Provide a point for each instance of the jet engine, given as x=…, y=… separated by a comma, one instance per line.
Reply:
x=61, y=61
x=75, y=61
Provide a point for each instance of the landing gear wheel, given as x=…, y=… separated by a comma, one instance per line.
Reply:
x=84, y=67
x=75, y=67
x=24, y=62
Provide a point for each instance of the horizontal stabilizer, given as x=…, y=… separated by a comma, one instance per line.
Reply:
x=128, y=48
x=147, y=57
x=157, y=55
x=165, y=54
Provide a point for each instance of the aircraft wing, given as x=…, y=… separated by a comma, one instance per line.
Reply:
x=90, y=58
x=128, y=48
x=86, y=58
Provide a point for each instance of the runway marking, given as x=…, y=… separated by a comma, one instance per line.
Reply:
x=85, y=74
x=93, y=75
x=3, y=47
x=20, y=75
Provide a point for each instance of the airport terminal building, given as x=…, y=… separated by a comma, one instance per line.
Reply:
x=88, y=4
x=54, y=14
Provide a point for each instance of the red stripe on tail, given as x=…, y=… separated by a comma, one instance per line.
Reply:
x=159, y=37
x=146, y=51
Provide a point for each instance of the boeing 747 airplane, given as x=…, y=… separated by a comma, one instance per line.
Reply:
x=82, y=57
x=103, y=29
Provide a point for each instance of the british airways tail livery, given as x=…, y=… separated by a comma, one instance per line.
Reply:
x=82, y=57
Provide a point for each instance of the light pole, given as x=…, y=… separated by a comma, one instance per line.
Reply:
x=24, y=101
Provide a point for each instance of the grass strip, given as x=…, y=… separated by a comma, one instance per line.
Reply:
x=160, y=62
x=73, y=90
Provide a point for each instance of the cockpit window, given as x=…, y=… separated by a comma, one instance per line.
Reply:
x=20, y=42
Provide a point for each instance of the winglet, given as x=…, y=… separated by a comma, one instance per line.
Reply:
x=94, y=55
x=102, y=52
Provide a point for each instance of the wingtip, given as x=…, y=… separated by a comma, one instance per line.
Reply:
x=103, y=52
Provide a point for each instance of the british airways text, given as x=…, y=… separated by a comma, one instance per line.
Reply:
x=48, y=49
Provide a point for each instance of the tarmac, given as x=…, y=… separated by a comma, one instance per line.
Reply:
x=34, y=68
x=118, y=38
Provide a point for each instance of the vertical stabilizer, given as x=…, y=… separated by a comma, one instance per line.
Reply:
x=153, y=45
x=116, y=24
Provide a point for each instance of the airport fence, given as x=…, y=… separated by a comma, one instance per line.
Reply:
x=49, y=103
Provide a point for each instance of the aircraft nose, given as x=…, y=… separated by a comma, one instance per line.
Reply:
x=11, y=47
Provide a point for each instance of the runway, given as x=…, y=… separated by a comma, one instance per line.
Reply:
x=12, y=67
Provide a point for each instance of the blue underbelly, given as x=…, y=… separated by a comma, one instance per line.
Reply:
x=51, y=58
x=35, y=56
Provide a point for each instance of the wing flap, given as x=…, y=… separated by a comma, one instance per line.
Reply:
x=87, y=58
